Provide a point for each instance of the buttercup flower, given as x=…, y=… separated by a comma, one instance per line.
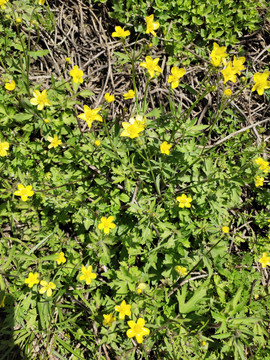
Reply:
x=90, y=115
x=263, y=164
x=129, y=95
x=47, y=121
x=47, y=287
x=123, y=309
x=238, y=64
x=151, y=25
x=151, y=65
x=176, y=75
x=259, y=181
x=76, y=74
x=137, y=330
x=18, y=20
x=227, y=92
x=24, y=192
x=32, y=279
x=225, y=229
x=133, y=128
x=109, y=98
x=61, y=258
x=10, y=85
x=68, y=60
x=3, y=4
x=264, y=260
x=184, y=201
x=106, y=224
x=87, y=274
x=261, y=82
x=120, y=32
x=141, y=287
x=41, y=2
x=4, y=146
x=218, y=53
x=182, y=271
x=108, y=319
x=165, y=148
x=97, y=143
x=229, y=73
x=40, y=99
x=54, y=142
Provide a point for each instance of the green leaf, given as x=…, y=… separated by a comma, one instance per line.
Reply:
x=38, y=53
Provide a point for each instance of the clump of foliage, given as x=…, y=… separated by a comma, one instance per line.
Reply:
x=124, y=238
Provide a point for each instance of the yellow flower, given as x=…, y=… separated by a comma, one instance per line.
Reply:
x=259, y=181
x=264, y=260
x=129, y=95
x=40, y=99
x=87, y=274
x=137, y=330
x=4, y=146
x=238, y=64
x=3, y=4
x=176, y=75
x=61, y=258
x=24, y=192
x=184, y=201
x=32, y=279
x=225, y=229
x=133, y=128
x=90, y=115
x=151, y=25
x=68, y=60
x=41, y=2
x=76, y=74
x=227, y=92
x=263, y=164
x=108, y=319
x=47, y=121
x=54, y=142
x=229, y=73
x=97, y=143
x=109, y=97
x=261, y=82
x=203, y=343
x=218, y=53
x=123, y=309
x=165, y=148
x=47, y=287
x=106, y=224
x=151, y=65
x=10, y=85
x=18, y=20
x=2, y=304
x=182, y=271
x=141, y=287
x=120, y=32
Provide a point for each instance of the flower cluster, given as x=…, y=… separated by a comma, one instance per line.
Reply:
x=133, y=128
x=232, y=69
x=47, y=287
x=263, y=164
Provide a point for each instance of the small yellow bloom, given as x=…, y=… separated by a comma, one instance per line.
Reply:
x=97, y=143
x=264, y=260
x=18, y=20
x=109, y=98
x=90, y=115
x=34, y=22
x=137, y=329
x=129, y=95
x=47, y=287
x=120, y=32
x=32, y=279
x=41, y=2
x=229, y=73
x=106, y=224
x=227, y=92
x=24, y=192
x=123, y=309
x=133, y=128
x=3, y=4
x=10, y=85
x=259, y=181
x=87, y=274
x=203, y=343
x=76, y=74
x=263, y=164
x=40, y=99
x=184, y=201
x=182, y=271
x=2, y=304
x=165, y=148
x=141, y=287
x=108, y=319
x=68, y=60
x=54, y=142
x=151, y=25
x=4, y=146
x=225, y=229
x=261, y=82
x=238, y=64
x=218, y=54
x=176, y=75
x=151, y=65
x=256, y=296
x=61, y=258
x=47, y=121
